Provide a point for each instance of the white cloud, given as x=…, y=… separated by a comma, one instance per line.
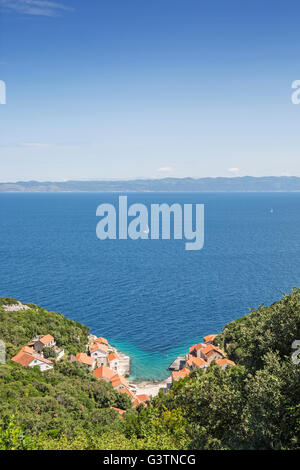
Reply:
x=34, y=7
x=34, y=145
x=234, y=171
x=165, y=169
x=41, y=145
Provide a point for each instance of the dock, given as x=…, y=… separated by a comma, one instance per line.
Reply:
x=178, y=364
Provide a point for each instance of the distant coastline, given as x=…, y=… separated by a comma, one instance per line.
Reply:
x=219, y=184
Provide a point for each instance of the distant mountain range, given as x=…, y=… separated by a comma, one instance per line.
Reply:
x=237, y=184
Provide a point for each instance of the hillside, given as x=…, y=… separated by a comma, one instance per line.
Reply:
x=254, y=405
x=236, y=184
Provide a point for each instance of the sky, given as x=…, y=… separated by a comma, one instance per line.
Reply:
x=102, y=89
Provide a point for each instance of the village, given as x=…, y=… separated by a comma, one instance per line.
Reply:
x=107, y=364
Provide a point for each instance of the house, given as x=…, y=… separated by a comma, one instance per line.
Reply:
x=136, y=399
x=143, y=398
x=85, y=359
x=27, y=359
x=224, y=362
x=211, y=353
x=104, y=373
x=197, y=363
x=140, y=400
x=114, y=361
x=59, y=353
x=128, y=392
x=209, y=339
x=71, y=358
x=118, y=382
x=196, y=348
x=41, y=342
x=180, y=374
x=121, y=412
x=28, y=350
x=99, y=351
x=101, y=340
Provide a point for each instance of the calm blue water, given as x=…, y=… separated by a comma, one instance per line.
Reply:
x=151, y=298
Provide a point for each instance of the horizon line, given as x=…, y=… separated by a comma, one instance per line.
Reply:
x=145, y=178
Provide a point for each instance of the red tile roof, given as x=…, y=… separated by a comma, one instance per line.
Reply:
x=28, y=350
x=136, y=403
x=45, y=339
x=208, y=348
x=209, y=338
x=197, y=361
x=101, y=340
x=128, y=392
x=104, y=372
x=25, y=359
x=117, y=380
x=224, y=361
x=180, y=374
x=121, y=412
x=85, y=359
x=96, y=346
x=143, y=398
x=196, y=347
x=42, y=359
x=113, y=356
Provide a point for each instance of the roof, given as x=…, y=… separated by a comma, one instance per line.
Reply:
x=224, y=361
x=96, y=346
x=105, y=372
x=209, y=338
x=117, y=380
x=28, y=350
x=180, y=374
x=136, y=403
x=220, y=351
x=128, y=392
x=195, y=347
x=143, y=398
x=101, y=340
x=25, y=359
x=85, y=359
x=121, y=412
x=113, y=356
x=42, y=359
x=198, y=361
x=208, y=348
x=45, y=339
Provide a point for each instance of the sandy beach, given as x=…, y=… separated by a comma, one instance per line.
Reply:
x=149, y=388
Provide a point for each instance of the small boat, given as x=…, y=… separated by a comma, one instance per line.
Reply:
x=272, y=211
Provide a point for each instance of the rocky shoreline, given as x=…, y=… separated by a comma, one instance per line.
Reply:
x=109, y=364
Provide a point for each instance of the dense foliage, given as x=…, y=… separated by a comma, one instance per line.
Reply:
x=18, y=328
x=254, y=405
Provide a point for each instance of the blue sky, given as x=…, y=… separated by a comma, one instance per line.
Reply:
x=134, y=88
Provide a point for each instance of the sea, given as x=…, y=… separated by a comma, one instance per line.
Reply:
x=151, y=298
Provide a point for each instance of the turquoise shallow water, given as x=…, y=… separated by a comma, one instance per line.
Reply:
x=150, y=298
